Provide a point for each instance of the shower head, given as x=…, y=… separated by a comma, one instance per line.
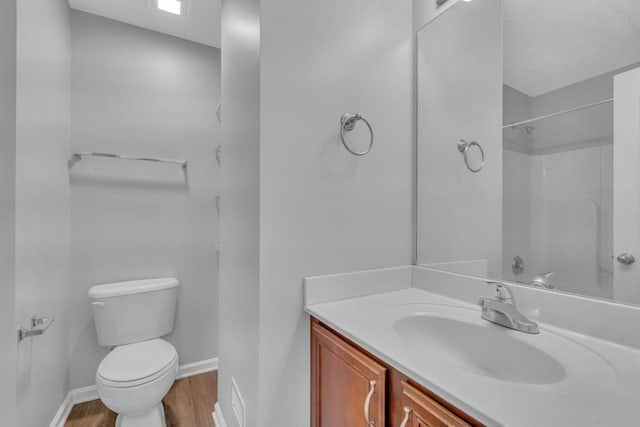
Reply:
x=528, y=130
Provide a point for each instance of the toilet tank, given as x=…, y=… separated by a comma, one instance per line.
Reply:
x=138, y=310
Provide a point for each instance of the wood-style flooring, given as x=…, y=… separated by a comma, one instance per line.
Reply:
x=189, y=403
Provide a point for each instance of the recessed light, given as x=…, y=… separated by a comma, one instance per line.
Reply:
x=171, y=6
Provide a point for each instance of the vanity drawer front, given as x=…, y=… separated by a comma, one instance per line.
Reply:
x=422, y=411
x=347, y=387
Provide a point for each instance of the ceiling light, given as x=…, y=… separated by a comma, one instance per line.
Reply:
x=171, y=6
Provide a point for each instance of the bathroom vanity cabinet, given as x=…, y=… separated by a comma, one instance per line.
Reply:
x=352, y=388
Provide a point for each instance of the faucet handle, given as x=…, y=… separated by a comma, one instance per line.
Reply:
x=503, y=293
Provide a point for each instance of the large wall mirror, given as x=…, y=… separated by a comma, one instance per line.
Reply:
x=529, y=144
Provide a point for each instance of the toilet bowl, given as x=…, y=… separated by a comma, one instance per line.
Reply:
x=138, y=372
x=132, y=380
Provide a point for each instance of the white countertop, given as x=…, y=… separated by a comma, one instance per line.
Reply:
x=602, y=389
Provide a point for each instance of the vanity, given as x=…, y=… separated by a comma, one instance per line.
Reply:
x=523, y=306
x=347, y=382
x=407, y=346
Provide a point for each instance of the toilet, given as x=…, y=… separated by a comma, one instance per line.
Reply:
x=138, y=372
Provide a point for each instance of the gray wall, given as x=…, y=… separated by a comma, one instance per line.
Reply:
x=139, y=92
x=322, y=209
x=7, y=205
x=312, y=207
x=240, y=257
x=42, y=205
x=460, y=97
x=426, y=10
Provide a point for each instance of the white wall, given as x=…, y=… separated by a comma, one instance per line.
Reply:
x=7, y=206
x=291, y=188
x=426, y=10
x=460, y=97
x=322, y=209
x=239, y=228
x=42, y=205
x=517, y=107
x=578, y=130
x=139, y=92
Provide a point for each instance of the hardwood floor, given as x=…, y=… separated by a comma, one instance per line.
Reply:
x=189, y=403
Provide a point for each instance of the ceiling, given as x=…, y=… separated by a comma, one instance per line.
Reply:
x=200, y=24
x=549, y=44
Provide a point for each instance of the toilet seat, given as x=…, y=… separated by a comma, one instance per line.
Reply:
x=136, y=364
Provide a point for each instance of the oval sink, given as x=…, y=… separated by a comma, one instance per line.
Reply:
x=482, y=348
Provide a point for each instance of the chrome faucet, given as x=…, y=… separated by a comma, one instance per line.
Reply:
x=542, y=281
x=503, y=311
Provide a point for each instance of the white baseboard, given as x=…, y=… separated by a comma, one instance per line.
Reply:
x=197, y=368
x=89, y=393
x=63, y=412
x=84, y=394
x=218, y=419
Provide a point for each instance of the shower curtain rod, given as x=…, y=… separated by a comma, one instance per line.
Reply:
x=548, y=116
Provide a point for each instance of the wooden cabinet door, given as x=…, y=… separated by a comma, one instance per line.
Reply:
x=347, y=387
x=422, y=411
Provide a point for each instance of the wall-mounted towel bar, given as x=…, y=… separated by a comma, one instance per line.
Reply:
x=78, y=155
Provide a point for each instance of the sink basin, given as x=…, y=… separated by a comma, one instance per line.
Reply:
x=482, y=349
x=447, y=337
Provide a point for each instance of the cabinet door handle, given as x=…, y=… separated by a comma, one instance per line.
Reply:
x=367, y=402
x=405, y=420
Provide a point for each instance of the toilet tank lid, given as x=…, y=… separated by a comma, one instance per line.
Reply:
x=132, y=287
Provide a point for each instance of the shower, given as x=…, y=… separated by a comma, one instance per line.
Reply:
x=527, y=130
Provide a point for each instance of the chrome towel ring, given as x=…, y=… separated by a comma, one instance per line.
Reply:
x=463, y=147
x=347, y=123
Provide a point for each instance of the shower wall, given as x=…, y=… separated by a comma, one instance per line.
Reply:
x=558, y=217
x=139, y=92
x=558, y=187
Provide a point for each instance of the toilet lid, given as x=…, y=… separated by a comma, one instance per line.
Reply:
x=137, y=361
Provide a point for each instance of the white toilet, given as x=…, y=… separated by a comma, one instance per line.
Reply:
x=135, y=376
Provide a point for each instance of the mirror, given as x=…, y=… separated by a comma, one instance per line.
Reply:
x=529, y=144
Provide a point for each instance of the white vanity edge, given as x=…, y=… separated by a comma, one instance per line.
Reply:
x=602, y=319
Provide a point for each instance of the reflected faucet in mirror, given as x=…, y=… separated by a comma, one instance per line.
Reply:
x=543, y=281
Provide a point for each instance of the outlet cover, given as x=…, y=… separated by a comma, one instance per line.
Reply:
x=237, y=403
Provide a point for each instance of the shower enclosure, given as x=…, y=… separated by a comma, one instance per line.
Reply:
x=558, y=187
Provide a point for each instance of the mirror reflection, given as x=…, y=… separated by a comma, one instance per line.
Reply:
x=557, y=201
